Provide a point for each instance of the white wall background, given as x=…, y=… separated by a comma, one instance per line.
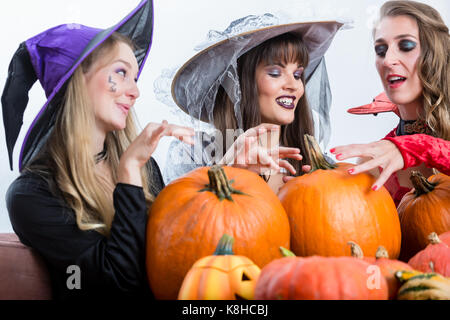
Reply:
x=181, y=25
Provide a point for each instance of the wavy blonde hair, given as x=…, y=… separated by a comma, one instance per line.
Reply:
x=434, y=61
x=69, y=150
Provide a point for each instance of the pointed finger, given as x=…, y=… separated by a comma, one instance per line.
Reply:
x=265, y=160
x=384, y=176
x=287, y=178
x=366, y=166
x=288, y=166
x=306, y=168
x=351, y=151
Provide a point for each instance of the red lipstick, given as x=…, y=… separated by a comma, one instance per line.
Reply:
x=395, y=80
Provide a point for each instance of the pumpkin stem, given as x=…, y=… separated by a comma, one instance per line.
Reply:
x=356, y=250
x=434, y=238
x=421, y=184
x=219, y=184
x=225, y=246
x=286, y=252
x=315, y=155
x=381, y=253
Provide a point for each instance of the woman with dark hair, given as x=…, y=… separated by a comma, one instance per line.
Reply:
x=271, y=74
x=412, y=49
x=253, y=89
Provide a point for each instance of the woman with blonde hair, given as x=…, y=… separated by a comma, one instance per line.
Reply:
x=412, y=49
x=87, y=178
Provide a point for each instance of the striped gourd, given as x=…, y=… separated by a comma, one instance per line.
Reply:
x=422, y=286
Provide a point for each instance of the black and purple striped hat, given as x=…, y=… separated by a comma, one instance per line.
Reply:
x=52, y=57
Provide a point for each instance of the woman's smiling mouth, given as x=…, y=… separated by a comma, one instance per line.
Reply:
x=124, y=107
x=286, y=101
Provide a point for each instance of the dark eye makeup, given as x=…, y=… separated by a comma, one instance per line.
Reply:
x=407, y=45
x=404, y=45
x=380, y=50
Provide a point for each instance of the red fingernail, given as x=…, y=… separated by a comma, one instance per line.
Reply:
x=339, y=156
x=374, y=188
x=351, y=171
x=332, y=150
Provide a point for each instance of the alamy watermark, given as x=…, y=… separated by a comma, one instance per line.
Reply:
x=374, y=277
x=74, y=278
x=242, y=148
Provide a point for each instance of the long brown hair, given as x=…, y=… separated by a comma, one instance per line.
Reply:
x=67, y=155
x=434, y=61
x=284, y=48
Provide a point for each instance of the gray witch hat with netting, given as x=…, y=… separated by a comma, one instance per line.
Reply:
x=196, y=83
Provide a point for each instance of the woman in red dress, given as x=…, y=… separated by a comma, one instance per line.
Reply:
x=412, y=49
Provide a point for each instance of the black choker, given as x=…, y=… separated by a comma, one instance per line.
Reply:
x=100, y=156
x=266, y=178
x=407, y=127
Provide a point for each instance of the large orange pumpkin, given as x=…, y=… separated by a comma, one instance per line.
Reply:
x=329, y=207
x=423, y=210
x=191, y=213
x=221, y=276
x=319, y=278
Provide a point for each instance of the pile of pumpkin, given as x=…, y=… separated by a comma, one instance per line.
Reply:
x=307, y=242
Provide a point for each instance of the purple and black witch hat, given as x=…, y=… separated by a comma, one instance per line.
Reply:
x=52, y=57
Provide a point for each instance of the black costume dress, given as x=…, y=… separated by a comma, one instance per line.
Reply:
x=112, y=266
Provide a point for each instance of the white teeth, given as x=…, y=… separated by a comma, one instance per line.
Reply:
x=287, y=101
x=392, y=79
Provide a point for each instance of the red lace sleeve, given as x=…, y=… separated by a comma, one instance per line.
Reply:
x=418, y=148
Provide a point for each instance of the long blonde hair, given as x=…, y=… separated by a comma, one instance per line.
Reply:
x=69, y=153
x=434, y=61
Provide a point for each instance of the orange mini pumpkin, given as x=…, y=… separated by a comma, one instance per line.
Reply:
x=222, y=276
x=190, y=214
x=328, y=207
x=434, y=258
x=423, y=210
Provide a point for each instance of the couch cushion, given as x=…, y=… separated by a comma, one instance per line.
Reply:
x=23, y=273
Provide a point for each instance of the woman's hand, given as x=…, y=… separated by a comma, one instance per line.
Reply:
x=381, y=154
x=139, y=151
x=306, y=168
x=249, y=153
